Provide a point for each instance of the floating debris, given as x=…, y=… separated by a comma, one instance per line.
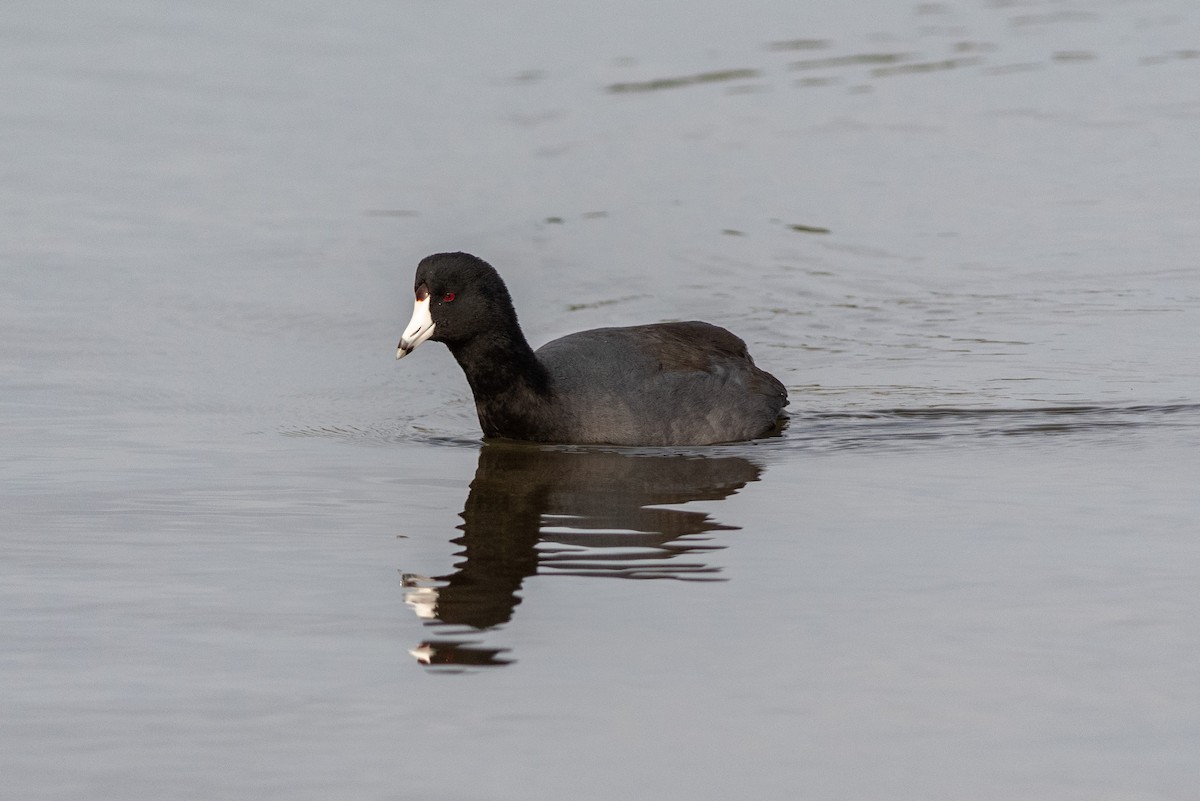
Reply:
x=926, y=66
x=799, y=44
x=1006, y=69
x=1073, y=55
x=600, y=303
x=817, y=81
x=686, y=80
x=1053, y=17
x=975, y=47
x=847, y=61
x=747, y=89
x=1163, y=59
x=809, y=229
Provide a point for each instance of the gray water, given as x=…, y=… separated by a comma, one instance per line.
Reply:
x=247, y=555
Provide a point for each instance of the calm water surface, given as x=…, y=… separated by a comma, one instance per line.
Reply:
x=244, y=555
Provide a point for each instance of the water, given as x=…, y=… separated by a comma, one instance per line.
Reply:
x=245, y=555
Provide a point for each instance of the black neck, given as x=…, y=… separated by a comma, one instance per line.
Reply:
x=499, y=362
x=510, y=386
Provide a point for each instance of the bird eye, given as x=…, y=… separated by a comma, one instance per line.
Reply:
x=449, y=296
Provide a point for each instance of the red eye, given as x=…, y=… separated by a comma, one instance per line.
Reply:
x=449, y=296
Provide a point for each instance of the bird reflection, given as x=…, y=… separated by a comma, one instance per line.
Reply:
x=545, y=510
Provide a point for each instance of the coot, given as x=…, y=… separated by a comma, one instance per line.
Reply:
x=688, y=383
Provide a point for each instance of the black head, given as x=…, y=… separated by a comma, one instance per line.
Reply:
x=458, y=297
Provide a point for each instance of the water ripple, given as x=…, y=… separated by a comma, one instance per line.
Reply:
x=889, y=428
x=836, y=430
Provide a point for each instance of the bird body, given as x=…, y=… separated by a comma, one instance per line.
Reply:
x=684, y=383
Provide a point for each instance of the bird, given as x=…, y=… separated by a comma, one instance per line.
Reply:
x=661, y=384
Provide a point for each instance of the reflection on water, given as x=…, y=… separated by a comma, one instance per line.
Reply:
x=557, y=510
x=573, y=512
x=458, y=653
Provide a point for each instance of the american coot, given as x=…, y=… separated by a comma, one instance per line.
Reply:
x=665, y=384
